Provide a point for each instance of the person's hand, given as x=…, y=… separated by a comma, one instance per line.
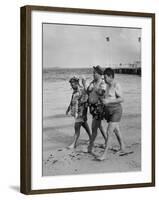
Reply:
x=76, y=115
x=84, y=82
x=105, y=101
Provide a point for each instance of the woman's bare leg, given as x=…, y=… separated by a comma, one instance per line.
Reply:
x=77, y=127
x=86, y=127
x=119, y=137
x=110, y=130
x=95, y=126
x=103, y=133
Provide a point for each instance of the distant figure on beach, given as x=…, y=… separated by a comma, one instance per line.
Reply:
x=95, y=91
x=112, y=110
x=78, y=108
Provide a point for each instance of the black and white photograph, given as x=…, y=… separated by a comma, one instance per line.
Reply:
x=87, y=118
x=91, y=99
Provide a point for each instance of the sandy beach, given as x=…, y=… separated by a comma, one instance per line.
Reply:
x=58, y=131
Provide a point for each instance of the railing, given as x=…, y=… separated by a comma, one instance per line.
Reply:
x=136, y=71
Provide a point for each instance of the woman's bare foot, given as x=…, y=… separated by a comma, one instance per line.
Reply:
x=102, y=158
x=124, y=152
x=72, y=146
x=121, y=151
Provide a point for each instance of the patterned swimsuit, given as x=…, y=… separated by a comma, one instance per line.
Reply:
x=79, y=105
x=95, y=106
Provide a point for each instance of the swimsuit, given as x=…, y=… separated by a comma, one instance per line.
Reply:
x=95, y=106
x=112, y=112
x=79, y=105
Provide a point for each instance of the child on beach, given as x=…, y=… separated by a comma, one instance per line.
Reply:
x=78, y=109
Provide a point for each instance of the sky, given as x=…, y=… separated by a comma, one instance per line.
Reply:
x=74, y=46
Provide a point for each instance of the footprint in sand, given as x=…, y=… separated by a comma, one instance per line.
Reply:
x=54, y=161
x=125, y=153
x=60, y=150
x=136, y=143
x=134, y=164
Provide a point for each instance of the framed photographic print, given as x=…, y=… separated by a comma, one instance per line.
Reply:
x=87, y=99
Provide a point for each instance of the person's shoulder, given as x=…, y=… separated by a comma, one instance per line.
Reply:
x=117, y=85
x=81, y=91
x=77, y=93
x=102, y=84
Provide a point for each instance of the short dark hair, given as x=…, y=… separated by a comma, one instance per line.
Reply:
x=109, y=72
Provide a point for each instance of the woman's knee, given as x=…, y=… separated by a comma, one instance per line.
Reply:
x=111, y=128
x=77, y=126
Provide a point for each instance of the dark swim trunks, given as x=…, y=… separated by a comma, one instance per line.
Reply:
x=96, y=111
x=113, y=113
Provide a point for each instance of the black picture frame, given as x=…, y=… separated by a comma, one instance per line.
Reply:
x=26, y=107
